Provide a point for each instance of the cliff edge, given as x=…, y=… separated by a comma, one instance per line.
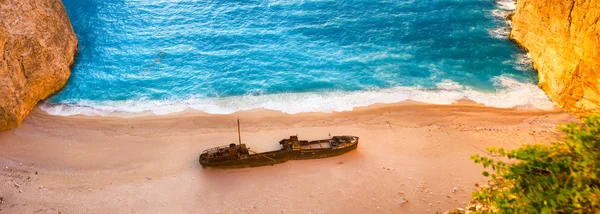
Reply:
x=37, y=48
x=563, y=40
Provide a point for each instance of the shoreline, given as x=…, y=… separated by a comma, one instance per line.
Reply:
x=510, y=93
x=413, y=151
x=189, y=111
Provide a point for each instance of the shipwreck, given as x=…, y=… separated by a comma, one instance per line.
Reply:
x=239, y=155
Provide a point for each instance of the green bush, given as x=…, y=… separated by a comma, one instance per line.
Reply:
x=557, y=178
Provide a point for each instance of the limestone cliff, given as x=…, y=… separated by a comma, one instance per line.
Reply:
x=37, y=48
x=563, y=40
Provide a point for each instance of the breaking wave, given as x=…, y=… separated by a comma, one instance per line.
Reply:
x=500, y=33
x=507, y=5
x=510, y=93
x=166, y=57
x=504, y=8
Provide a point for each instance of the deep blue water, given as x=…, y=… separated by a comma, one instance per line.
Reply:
x=222, y=56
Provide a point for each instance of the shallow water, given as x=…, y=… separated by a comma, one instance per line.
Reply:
x=293, y=56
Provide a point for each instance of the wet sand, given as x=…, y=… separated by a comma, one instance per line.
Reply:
x=412, y=151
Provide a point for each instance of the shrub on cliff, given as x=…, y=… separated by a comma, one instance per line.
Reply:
x=562, y=177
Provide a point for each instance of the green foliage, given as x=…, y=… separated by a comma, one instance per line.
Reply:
x=558, y=178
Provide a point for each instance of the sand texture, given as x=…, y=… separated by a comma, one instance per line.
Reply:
x=414, y=152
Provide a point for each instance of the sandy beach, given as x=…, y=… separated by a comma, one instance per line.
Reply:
x=407, y=151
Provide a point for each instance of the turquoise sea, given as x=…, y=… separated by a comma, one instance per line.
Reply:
x=222, y=56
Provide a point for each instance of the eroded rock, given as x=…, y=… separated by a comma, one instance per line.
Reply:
x=563, y=40
x=37, y=48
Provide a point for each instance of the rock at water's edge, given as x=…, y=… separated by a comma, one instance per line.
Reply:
x=563, y=40
x=37, y=48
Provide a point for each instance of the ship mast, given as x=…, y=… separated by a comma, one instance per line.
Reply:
x=239, y=133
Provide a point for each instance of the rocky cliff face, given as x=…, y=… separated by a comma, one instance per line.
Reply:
x=37, y=48
x=563, y=40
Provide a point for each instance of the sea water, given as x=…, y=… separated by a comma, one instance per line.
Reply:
x=222, y=56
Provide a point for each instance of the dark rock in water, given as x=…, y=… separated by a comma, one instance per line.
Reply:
x=510, y=16
x=37, y=48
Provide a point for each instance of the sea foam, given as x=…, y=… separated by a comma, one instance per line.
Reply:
x=293, y=56
x=507, y=4
x=504, y=8
x=510, y=93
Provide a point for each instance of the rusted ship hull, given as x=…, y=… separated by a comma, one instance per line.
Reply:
x=276, y=157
